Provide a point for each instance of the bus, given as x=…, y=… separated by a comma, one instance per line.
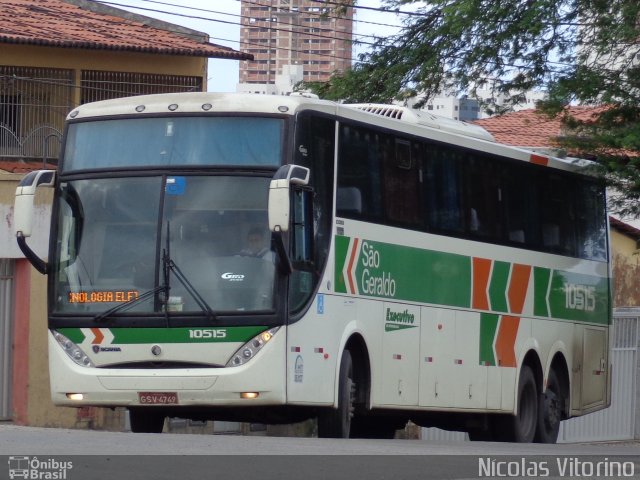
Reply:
x=273, y=259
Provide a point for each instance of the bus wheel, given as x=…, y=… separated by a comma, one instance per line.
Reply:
x=336, y=422
x=146, y=420
x=550, y=411
x=522, y=427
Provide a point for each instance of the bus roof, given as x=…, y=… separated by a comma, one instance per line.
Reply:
x=419, y=117
x=393, y=117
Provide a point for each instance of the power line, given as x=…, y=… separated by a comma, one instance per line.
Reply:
x=195, y=17
x=301, y=33
x=327, y=55
x=316, y=14
x=375, y=9
x=287, y=31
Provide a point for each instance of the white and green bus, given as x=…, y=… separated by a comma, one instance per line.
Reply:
x=272, y=259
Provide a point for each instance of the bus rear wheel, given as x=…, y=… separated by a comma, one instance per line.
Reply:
x=336, y=422
x=550, y=411
x=146, y=420
x=522, y=427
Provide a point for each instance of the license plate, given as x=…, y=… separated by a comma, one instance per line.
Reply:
x=158, y=398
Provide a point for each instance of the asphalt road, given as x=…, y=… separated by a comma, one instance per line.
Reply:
x=82, y=454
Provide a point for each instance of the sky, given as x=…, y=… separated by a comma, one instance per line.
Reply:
x=223, y=74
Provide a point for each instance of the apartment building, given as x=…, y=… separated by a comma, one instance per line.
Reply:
x=292, y=40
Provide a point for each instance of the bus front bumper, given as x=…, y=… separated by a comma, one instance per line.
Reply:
x=78, y=386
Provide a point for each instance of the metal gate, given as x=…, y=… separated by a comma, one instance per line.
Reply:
x=6, y=336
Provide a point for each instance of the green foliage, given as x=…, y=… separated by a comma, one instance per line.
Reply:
x=585, y=51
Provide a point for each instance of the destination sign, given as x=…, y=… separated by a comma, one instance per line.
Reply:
x=103, y=296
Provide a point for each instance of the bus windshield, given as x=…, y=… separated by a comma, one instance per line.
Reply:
x=113, y=246
x=161, y=142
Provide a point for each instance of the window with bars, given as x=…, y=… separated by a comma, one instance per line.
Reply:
x=34, y=103
x=98, y=85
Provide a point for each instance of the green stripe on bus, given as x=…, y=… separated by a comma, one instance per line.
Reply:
x=132, y=336
x=488, y=327
x=393, y=327
x=383, y=270
x=498, y=286
x=413, y=274
x=342, y=247
x=73, y=334
x=541, y=278
x=580, y=297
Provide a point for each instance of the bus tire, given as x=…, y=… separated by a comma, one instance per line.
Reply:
x=146, y=420
x=550, y=411
x=336, y=422
x=521, y=428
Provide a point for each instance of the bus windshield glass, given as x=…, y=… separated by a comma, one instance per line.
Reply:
x=113, y=246
x=161, y=142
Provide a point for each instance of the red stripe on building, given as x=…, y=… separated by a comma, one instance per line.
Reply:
x=20, y=394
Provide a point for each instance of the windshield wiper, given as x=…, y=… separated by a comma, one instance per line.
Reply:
x=204, y=306
x=126, y=305
x=168, y=266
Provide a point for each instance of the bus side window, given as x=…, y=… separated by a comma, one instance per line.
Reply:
x=401, y=183
x=443, y=190
x=591, y=222
x=557, y=202
x=314, y=149
x=349, y=200
x=482, y=197
x=520, y=205
x=302, y=245
x=359, y=167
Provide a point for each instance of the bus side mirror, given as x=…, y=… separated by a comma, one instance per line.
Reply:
x=280, y=196
x=25, y=195
x=23, y=212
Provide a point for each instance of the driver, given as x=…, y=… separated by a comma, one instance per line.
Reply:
x=256, y=244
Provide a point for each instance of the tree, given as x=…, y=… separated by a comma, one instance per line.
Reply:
x=585, y=51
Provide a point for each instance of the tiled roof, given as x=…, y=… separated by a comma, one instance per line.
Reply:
x=624, y=228
x=59, y=23
x=528, y=128
x=17, y=166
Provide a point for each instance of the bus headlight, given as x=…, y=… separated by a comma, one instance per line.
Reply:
x=249, y=349
x=74, y=352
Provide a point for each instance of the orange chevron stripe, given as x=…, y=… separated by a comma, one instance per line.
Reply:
x=506, y=340
x=99, y=336
x=481, y=273
x=518, y=286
